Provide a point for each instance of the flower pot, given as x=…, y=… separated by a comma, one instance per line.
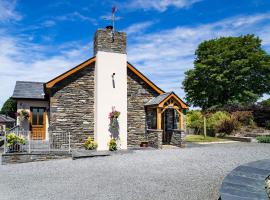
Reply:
x=144, y=144
x=14, y=148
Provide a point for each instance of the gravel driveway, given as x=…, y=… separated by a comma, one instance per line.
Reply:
x=190, y=173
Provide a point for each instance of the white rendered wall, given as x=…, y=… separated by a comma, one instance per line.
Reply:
x=106, y=96
x=26, y=104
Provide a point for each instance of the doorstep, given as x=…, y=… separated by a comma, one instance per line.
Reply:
x=81, y=153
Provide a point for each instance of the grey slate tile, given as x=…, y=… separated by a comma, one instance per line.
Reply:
x=28, y=90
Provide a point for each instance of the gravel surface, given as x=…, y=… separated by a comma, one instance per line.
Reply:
x=195, y=172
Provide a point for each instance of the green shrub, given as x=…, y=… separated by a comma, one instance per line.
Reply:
x=112, y=145
x=267, y=124
x=13, y=139
x=195, y=120
x=228, y=126
x=244, y=117
x=266, y=102
x=263, y=139
x=90, y=144
x=214, y=120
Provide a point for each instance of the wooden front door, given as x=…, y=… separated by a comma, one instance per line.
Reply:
x=38, y=123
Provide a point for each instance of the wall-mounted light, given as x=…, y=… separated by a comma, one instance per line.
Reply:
x=113, y=82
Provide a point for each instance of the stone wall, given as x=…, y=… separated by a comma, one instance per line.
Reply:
x=177, y=138
x=72, y=106
x=12, y=158
x=139, y=93
x=103, y=41
x=154, y=137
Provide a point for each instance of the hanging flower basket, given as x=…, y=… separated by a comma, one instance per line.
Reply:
x=113, y=116
x=23, y=115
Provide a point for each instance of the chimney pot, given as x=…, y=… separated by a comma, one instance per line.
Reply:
x=110, y=27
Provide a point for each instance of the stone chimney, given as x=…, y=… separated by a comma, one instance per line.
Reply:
x=110, y=86
x=107, y=41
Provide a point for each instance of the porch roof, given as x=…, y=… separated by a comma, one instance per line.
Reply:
x=164, y=97
x=28, y=90
x=157, y=100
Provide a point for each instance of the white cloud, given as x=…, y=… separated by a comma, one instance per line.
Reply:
x=159, y=5
x=164, y=56
x=138, y=27
x=75, y=16
x=48, y=23
x=29, y=62
x=7, y=11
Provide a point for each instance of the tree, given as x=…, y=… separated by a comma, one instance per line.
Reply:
x=266, y=102
x=228, y=70
x=9, y=108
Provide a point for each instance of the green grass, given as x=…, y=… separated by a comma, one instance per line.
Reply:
x=263, y=139
x=201, y=138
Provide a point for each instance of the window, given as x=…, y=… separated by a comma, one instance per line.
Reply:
x=37, y=116
x=151, y=119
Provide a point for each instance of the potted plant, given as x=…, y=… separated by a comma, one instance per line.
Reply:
x=14, y=142
x=90, y=144
x=112, y=145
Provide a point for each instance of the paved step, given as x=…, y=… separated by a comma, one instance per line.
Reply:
x=246, y=182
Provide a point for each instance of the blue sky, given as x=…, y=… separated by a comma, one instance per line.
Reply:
x=42, y=39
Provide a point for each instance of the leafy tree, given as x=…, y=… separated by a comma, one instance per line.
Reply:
x=9, y=108
x=228, y=70
x=266, y=102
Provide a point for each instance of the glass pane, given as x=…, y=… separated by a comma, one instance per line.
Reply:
x=34, y=116
x=151, y=119
x=41, y=112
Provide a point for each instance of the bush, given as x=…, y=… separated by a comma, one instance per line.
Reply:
x=228, y=126
x=13, y=139
x=244, y=117
x=266, y=102
x=195, y=120
x=112, y=145
x=267, y=124
x=90, y=144
x=263, y=139
x=214, y=120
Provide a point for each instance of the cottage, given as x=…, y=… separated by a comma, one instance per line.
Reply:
x=6, y=122
x=104, y=97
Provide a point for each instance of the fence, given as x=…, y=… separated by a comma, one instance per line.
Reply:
x=17, y=140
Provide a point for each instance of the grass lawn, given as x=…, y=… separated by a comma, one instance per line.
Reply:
x=201, y=138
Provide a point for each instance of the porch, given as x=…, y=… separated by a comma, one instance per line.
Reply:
x=166, y=121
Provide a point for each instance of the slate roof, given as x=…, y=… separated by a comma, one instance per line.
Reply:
x=28, y=90
x=4, y=118
x=157, y=100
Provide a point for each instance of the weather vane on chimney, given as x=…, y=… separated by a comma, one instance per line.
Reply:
x=112, y=19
